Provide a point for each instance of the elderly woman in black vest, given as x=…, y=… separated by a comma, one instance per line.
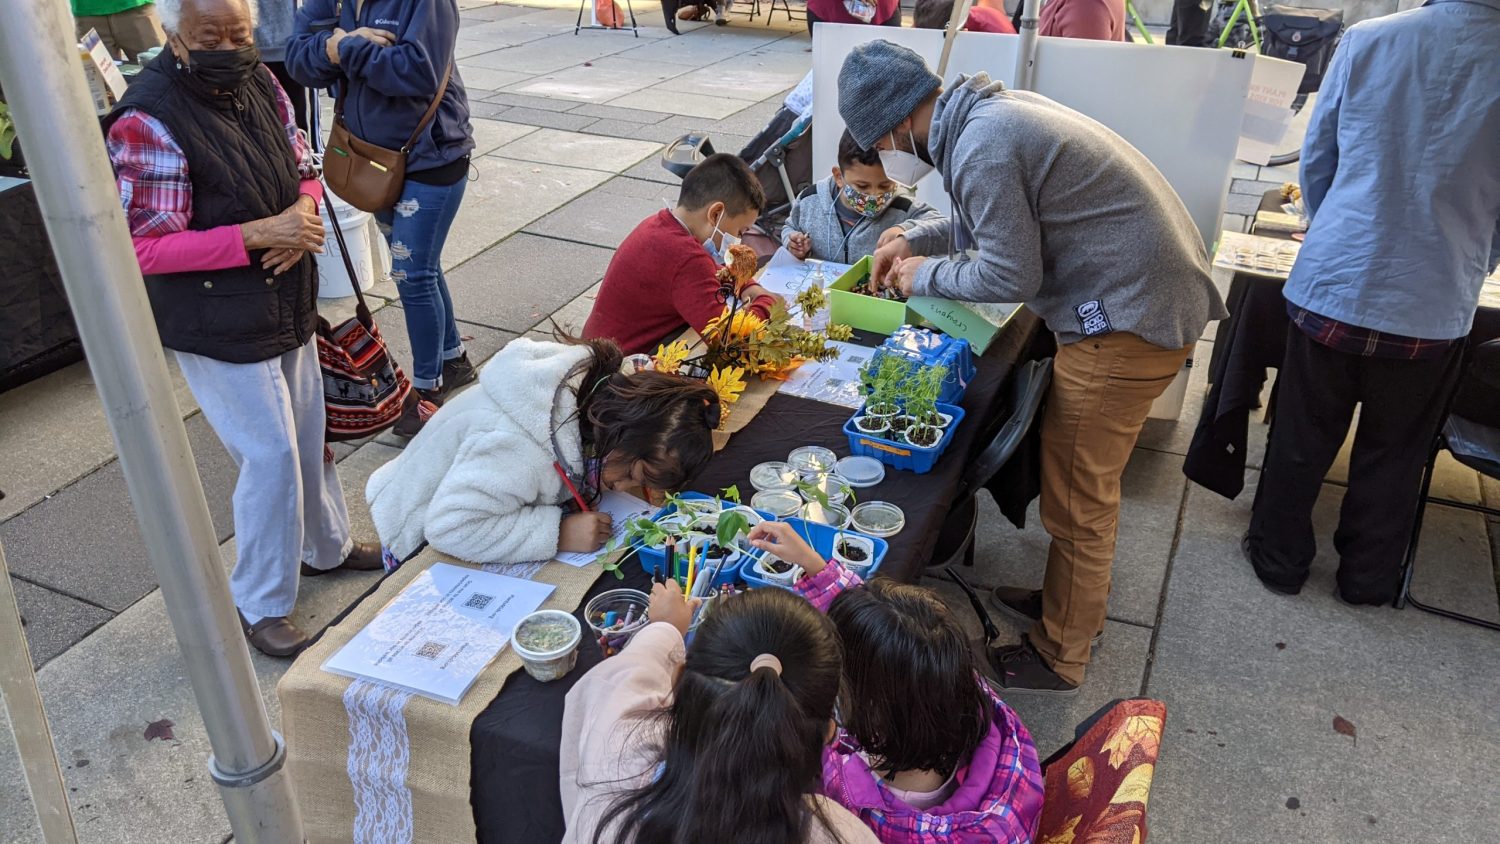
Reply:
x=222, y=201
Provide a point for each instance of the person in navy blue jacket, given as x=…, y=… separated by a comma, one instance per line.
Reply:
x=387, y=59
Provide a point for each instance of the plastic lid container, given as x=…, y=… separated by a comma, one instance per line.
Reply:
x=861, y=471
x=781, y=503
x=775, y=474
x=834, y=515
x=615, y=616
x=832, y=484
x=547, y=643
x=878, y=518
x=812, y=460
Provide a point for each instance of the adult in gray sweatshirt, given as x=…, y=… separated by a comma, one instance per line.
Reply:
x=1066, y=216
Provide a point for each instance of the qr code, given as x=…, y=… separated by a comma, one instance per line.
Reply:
x=478, y=601
x=431, y=650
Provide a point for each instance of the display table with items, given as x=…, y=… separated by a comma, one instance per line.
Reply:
x=37, y=335
x=392, y=760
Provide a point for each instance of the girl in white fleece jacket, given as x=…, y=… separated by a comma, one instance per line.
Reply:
x=485, y=479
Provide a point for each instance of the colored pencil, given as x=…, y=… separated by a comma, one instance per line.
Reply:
x=692, y=557
x=583, y=507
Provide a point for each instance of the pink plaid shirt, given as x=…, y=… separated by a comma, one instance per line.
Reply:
x=151, y=171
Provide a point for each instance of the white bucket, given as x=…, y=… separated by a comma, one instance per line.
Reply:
x=333, y=277
x=1168, y=405
x=380, y=250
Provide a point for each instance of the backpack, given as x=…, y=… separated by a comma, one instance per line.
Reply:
x=1305, y=36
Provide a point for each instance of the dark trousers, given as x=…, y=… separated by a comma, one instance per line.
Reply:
x=1189, y=24
x=1401, y=402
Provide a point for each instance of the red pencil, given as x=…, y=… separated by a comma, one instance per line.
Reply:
x=582, y=506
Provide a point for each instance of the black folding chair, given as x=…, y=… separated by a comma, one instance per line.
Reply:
x=1477, y=447
x=955, y=543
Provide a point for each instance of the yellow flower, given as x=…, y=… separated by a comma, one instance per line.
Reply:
x=728, y=382
x=744, y=326
x=669, y=357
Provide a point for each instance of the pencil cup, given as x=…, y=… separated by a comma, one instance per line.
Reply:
x=616, y=616
x=547, y=643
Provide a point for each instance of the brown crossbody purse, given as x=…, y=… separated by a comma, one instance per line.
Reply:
x=365, y=175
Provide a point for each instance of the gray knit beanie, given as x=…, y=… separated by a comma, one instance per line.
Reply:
x=880, y=85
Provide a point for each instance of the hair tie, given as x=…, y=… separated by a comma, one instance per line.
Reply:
x=766, y=661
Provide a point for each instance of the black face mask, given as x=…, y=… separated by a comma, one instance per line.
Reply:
x=223, y=70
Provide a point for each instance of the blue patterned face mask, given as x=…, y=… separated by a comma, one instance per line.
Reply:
x=866, y=205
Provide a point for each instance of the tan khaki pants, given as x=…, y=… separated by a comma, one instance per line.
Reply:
x=132, y=31
x=1102, y=389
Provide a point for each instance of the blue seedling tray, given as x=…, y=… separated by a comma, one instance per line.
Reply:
x=931, y=348
x=903, y=455
x=821, y=537
x=651, y=557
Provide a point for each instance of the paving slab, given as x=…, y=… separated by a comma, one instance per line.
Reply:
x=490, y=135
x=489, y=79
x=1151, y=499
x=575, y=149
x=545, y=55
x=511, y=32
x=1254, y=680
x=506, y=98
x=544, y=118
x=626, y=115
x=515, y=284
x=570, y=317
x=600, y=217
x=649, y=170
x=693, y=105
x=752, y=120
x=486, y=14
x=480, y=341
x=54, y=622
x=598, y=81
x=53, y=431
x=756, y=76
x=84, y=542
x=507, y=195
x=706, y=45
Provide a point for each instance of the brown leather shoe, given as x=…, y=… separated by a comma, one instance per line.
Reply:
x=364, y=556
x=274, y=636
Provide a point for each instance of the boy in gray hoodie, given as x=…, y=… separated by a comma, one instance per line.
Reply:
x=847, y=215
x=1066, y=216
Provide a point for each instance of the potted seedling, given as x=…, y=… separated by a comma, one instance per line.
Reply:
x=881, y=382
x=854, y=552
x=734, y=522
x=773, y=569
x=922, y=390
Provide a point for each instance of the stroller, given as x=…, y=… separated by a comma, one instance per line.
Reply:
x=780, y=156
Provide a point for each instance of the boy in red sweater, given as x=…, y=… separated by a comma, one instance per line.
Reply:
x=662, y=276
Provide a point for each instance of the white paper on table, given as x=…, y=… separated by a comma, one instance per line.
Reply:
x=622, y=507
x=832, y=381
x=785, y=276
x=435, y=637
x=1268, y=108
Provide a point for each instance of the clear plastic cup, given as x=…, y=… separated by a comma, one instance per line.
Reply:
x=547, y=643
x=614, y=617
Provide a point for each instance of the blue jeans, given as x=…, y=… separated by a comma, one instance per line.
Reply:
x=416, y=229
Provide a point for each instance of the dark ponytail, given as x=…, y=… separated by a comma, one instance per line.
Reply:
x=664, y=421
x=742, y=750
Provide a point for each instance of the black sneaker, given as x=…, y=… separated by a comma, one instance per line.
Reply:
x=1019, y=668
x=457, y=373
x=1025, y=605
x=1271, y=585
x=417, y=412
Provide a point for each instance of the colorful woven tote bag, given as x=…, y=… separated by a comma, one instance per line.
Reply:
x=364, y=389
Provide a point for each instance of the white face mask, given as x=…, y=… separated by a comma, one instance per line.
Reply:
x=720, y=253
x=904, y=168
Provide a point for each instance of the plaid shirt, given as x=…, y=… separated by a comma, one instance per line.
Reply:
x=152, y=170
x=1365, y=342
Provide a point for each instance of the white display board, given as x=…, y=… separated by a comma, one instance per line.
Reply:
x=1182, y=107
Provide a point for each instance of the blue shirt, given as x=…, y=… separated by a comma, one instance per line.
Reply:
x=1401, y=173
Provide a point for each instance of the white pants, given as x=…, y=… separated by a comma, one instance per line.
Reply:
x=288, y=506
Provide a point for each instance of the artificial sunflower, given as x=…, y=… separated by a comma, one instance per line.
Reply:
x=669, y=357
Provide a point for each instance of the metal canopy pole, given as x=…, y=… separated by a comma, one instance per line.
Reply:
x=54, y=114
x=1026, y=55
x=28, y=722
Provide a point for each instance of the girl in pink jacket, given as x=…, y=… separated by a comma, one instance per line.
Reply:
x=926, y=751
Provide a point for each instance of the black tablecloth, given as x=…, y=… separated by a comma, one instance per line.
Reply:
x=36, y=325
x=515, y=740
x=1248, y=344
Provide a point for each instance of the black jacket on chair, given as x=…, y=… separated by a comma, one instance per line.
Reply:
x=242, y=169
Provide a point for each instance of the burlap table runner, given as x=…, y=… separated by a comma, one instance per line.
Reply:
x=377, y=765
